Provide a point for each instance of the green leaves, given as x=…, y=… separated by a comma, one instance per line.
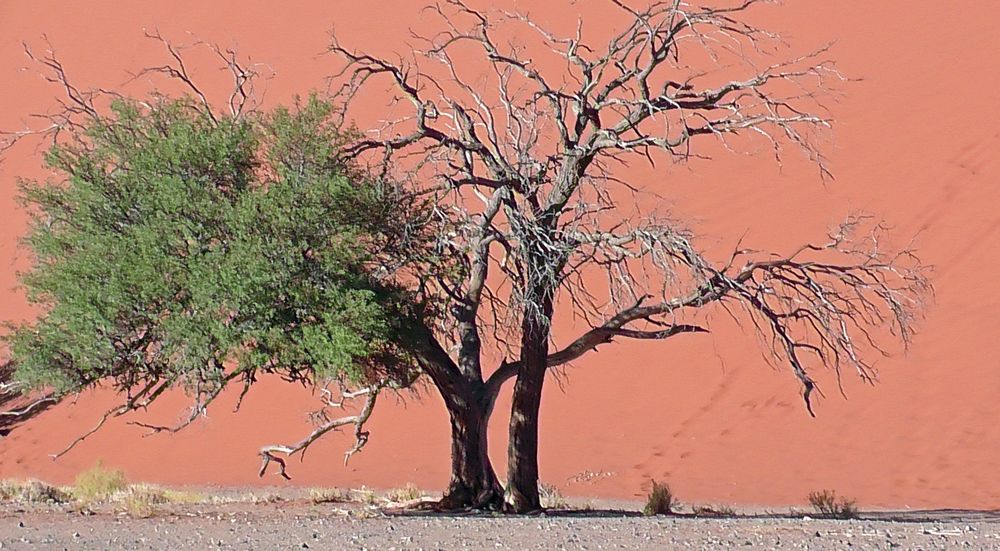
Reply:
x=179, y=249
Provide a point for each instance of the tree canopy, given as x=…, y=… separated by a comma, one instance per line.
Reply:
x=185, y=250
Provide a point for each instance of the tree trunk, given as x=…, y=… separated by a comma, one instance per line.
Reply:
x=473, y=483
x=522, y=453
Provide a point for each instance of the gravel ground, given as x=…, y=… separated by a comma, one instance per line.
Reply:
x=290, y=525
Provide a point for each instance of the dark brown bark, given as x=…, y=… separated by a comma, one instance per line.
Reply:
x=474, y=483
x=522, y=455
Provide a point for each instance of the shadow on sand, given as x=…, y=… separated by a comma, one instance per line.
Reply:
x=910, y=515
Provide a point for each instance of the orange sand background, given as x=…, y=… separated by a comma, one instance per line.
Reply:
x=917, y=142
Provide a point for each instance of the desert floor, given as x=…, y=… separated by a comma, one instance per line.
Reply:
x=298, y=524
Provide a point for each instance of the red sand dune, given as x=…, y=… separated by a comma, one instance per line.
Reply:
x=917, y=142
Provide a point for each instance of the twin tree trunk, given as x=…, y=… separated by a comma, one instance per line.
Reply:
x=474, y=483
x=470, y=403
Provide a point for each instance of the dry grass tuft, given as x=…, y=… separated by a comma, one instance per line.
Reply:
x=661, y=501
x=365, y=513
x=828, y=503
x=365, y=496
x=99, y=484
x=551, y=497
x=265, y=498
x=32, y=491
x=327, y=495
x=713, y=511
x=185, y=497
x=141, y=500
x=402, y=495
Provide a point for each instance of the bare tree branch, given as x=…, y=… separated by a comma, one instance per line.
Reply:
x=544, y=135
x=828, y=301
x=269, y=453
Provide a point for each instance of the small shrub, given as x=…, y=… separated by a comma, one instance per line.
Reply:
x=99, y=483
x=661, y=500
x=365, y=496
x=9, y=489
x=551, y=498
x=828, y=503
x=404, y=494
x=140, y=500
x=327, y=495
x=714, y=511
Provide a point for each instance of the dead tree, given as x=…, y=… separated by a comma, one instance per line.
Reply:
x=518, y=150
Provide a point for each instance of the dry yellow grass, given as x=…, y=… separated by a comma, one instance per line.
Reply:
x=401, y=495
x=327, y=495
x=32, y=491
x=98, y=484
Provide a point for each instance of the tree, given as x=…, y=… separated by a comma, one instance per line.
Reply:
x=513, y=212
x=522, y=148
x=187, y=249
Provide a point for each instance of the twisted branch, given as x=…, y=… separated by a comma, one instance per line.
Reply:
x=269, y=453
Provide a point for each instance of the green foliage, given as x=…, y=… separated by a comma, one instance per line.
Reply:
x=178, y=245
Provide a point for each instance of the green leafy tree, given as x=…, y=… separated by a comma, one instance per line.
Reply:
x=187, y=250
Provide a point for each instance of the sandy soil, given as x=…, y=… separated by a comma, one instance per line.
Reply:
x=916, y=143
x=296, y=525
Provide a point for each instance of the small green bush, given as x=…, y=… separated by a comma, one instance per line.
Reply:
x=661, y=501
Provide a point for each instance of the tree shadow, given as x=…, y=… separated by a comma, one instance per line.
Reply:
x=424, y=511
x=910, y=515
x=935, y=515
